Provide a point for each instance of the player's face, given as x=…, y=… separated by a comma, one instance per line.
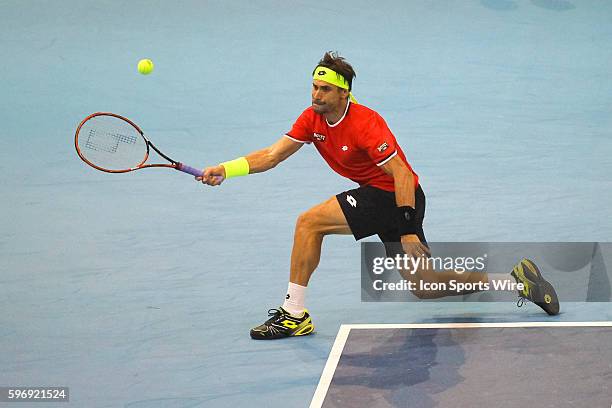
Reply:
x=326, y=97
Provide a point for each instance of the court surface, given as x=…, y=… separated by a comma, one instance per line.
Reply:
x=139, y=290
x=468, y=364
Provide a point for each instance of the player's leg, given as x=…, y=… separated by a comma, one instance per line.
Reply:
x=425, y=271
x=292, y=319
x=536, y=288
x=310, y=229
x=311, y=226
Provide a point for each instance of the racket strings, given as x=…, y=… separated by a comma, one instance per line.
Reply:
x=111, y=143
x=108, y=143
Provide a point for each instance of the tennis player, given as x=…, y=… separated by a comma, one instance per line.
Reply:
x=356, y=142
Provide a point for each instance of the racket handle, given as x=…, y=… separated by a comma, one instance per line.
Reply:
x=189, y=170
x=193, y=171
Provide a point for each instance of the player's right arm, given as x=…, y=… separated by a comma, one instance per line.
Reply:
x=258, y=161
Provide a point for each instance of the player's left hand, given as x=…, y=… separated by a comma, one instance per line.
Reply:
x=413, y=246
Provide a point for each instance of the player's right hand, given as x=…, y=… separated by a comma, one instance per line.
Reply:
x=213, y=176
x=413, y=247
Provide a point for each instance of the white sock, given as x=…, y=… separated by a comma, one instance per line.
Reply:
x=294, y=301
x=502, y=277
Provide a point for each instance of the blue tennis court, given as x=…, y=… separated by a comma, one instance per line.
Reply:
x=468, y=364
x=138, y=290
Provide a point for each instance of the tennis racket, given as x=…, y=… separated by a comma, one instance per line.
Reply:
x=114, y=144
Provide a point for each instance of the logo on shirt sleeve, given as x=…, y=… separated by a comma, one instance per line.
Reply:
x=382, y=147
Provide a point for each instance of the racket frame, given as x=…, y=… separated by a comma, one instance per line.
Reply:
x=173, y=163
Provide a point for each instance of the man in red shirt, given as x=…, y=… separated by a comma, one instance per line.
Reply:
x=356, y=143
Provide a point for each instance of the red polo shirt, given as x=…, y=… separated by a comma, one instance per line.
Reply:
x=354, y=147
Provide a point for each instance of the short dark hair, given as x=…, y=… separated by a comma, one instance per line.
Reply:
x=332, y=60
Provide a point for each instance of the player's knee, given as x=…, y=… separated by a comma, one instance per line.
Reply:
x=417, y=277
x=307, y=222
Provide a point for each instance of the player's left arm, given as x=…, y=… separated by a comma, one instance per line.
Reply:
x=403, y=180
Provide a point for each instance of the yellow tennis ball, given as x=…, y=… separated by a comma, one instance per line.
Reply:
x=145, y=66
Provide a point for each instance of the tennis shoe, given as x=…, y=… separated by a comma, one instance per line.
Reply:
x=283, y=324
x=536, y=288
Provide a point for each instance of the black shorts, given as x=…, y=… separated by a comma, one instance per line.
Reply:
x=371, y=211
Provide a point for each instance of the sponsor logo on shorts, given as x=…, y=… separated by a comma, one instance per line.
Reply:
x=382, y=147
x=351, y=200
x=344, y=148
x=319, y=137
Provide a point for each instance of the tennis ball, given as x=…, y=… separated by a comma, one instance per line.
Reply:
x=145, y=66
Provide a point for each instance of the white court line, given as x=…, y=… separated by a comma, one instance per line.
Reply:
x=345, y=329
x=330, y=366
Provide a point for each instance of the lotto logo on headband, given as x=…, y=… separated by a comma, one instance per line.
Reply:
x=330, y=76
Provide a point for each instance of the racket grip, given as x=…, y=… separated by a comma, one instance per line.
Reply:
x=193, y=171
x=189, y=170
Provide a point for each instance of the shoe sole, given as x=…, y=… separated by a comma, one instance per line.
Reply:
x=544, y=294
x=547, y=298
x=305, y=331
